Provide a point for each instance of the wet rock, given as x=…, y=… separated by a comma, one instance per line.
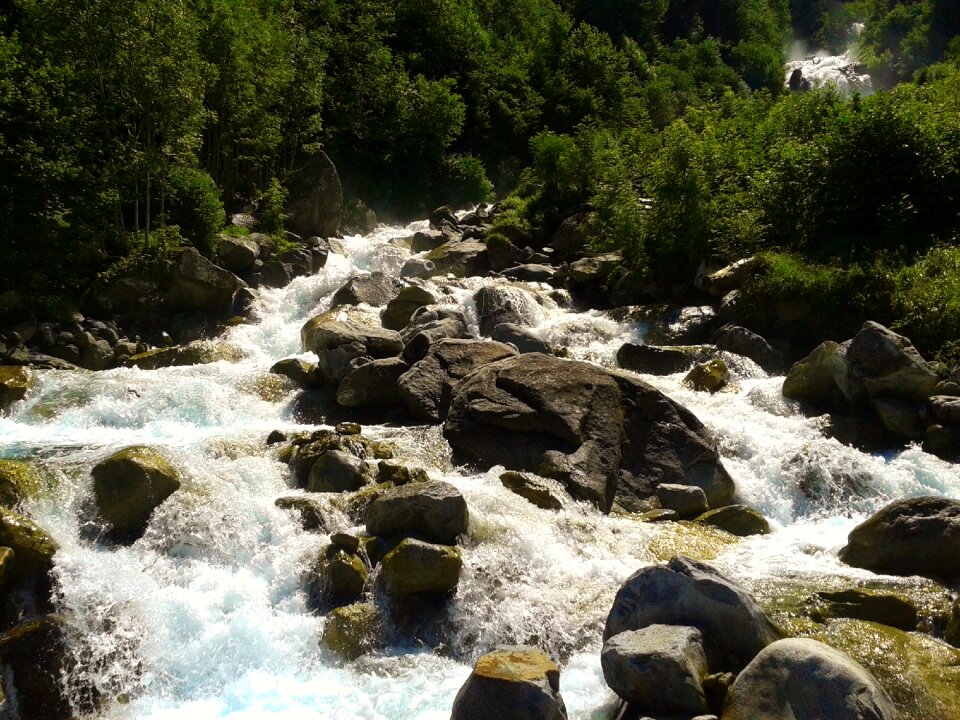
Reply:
x=686, y=500
x=199, y=352
x=943, y=441
x=401, y=308
x=461, y=259
x=889, y=366
x=375, y=289
x=914, y=536
x=374, y=383
x=532, y=489
x=426, y=388
x=737, y=520
x=19, y=480
x=945, y=409
x=601, y=434
x=315, y=198
x=237, y=254
x=501, y=252
x=14, y=383
x=902, y=418
x=655, y=360
x=740, y=341
x=314, y=513
x=657, y=668
x=530, y=272
x=338, y=579
x=434, y=511
x=303, y=374
x=658, y=515
x=429, y=325
x=804, y=678
x=335, y=364
x=276, y=274
x=690, y=325
x=7, y=556
x=419, y=268
x=32, y=546
x=337, y=471
x=886, y=609
x=322, y=333
x=128, y=486
x=194, y=284
x=511, y=683
x=690, y=593
x=392, y=472
x=427, y=240
x=525, y=341
x=818, y=377
x=443, y=215
x=496, y=305
x=730, y=278
x=417, y=567
x=711, y=376
x=352, y=630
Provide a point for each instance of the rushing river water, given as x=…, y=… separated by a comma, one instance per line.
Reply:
x=206, y=616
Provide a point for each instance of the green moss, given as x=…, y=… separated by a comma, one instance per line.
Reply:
x=32, y=546
x=19, y=480
x=689, y=539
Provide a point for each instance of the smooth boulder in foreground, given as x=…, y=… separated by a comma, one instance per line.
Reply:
x=128, y=486
x=511, y=683
x=605, y=435
x=803, y=679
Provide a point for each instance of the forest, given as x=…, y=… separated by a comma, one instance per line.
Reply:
x=129, y=127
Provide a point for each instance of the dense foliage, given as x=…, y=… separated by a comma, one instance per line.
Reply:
x=667, y=120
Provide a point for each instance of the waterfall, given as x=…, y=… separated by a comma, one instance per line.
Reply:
x=206, y=616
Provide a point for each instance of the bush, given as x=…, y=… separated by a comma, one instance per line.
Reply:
x=927, y=299
x=464, y=181
x=271, y=211
x=194, y=207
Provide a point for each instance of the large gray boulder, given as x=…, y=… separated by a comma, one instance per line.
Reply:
x=603, y=434
x=415, y=567
x=315, y=198
x=374, y=383
x=803, y=679
x=375, y=289
x=323, y=333
x=511, y=683
x=690, y=593
x=656, y=360
x=434, y=511
x=426, y=388
x=400, y=309
x=237, y=254
x=524, y=340
x=504, y=304
x=462, y=259
x=741, y=341
x=128, y=486
x=659, y=668
x=914, y=536
x=431, y=324
x=194, y=284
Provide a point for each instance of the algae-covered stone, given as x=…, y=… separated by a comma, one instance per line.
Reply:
x=710, y=376
x=37, y=655
x=337, y=471
x=303, y=374
x=129, y=485
x=435, y=511
x=14, y=383
x=352, y=630
x=883, y=608
x=32, y=546
x=416, y=567
x=19, y=480
x=338, y=579
x=398, y=474
x=532, y=489
x=737, y=520
x=511, y=683
x=314, y=512
x=399, y=310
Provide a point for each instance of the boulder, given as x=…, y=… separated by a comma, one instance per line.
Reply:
x=818, y=377
x=952, y=632
x=504, y=304
x=323, y=333
x=730, y=278
x=33, y=548
x=690, y=593
x=337, y=580
x=97, y=354
x=886, y=609
x=737, y=520
x=688, y=325
x=943, y=441
x=401, y=308
x=374, y=383
x=740, y=341
x=314, y=513
x=237, y=254
x=442, y=215
x=463, y=259
x=945, y=409
x=525, y=341
x=914, y=536
x=375, y=289
x=711, y=376
x=570, y=240
x=530, y=272
x=415, y=567
x=903, y=418
x=128, y=486
x=658, y=668
x=303, y=374
x=392, y=472
x=686, y=500
x=655, y=360
x=602, y=434
x=337, y=471
x=419, y=268
x=335, y=364
x=426, y=388
x=807, y=680
x=199, y=352
x=429, y=325
x=427, y=240
x=19, y=480
x=352, y=630
x=433, y=511
x=276, y=274
x=889, y=366
x=196, y=285
x=356, y=218
x=37, y=655
x=511, y=683
x=315, y=198
x=532, y=489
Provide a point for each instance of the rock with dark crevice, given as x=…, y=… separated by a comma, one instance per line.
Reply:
x=375, y=289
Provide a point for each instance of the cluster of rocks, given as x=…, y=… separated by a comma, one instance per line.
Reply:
x=879, y=390
x=257, y=261
x=682, y=641
x=406, y=564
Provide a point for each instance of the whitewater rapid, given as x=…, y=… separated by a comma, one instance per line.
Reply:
x=206, y=616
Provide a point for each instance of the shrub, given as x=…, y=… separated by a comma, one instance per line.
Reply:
x=194, y=207
x=271, y=211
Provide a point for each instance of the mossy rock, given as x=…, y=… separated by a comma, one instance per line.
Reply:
x=700, y=542
x=352, y=630
x=338, y=580
x=15, y=381
x=531, y=489
x=19, y=480
x=738, y=520
x=859, y=604
x=128, y=486
x=32, y=546
x=36, y=651
x=415, y=567
x=711, y=376
x=200, y=352
x=400, y=474
x=354, y=505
